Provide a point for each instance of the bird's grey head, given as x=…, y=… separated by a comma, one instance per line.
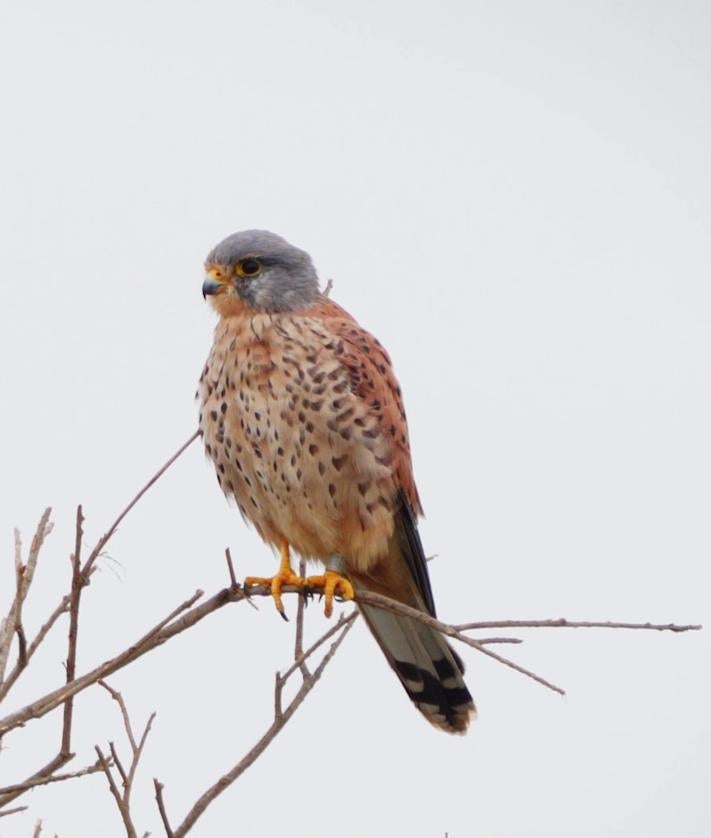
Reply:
x=262, y=270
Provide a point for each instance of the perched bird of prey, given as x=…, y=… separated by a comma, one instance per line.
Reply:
x=304, y=421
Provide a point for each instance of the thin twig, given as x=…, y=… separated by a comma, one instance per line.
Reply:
x=96, y=552
x=563, y=623
x=118, y=698
x=161, y=808
x=38, y=829
x=299, y=629
x=117, y=761
x=123, y=809
x=54, y=778
x=231, y=569
x=77, y=585
x=42, y=774
x=512, y=640
x=136, y=747
x=400, y=608
x=314, y=646
x=24, y=574
x=14, y=811
x=138, y=753
x=123, y=801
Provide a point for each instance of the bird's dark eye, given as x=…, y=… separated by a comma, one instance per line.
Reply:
x=249, y=267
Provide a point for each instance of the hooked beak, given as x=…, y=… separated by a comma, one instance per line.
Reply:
x=215, y=282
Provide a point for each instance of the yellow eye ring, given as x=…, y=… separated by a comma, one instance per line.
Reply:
x=249, y=267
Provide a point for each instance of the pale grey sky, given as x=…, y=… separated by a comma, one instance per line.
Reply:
x=514, y=198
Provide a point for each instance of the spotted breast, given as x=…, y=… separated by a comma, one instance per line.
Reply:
x=303, y=419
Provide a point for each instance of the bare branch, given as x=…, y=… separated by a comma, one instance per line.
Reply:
x=10, y=623
x=137, y=754
x=123, y=801
x=117, y=762
x=123, y=809
x=173, y=625
x=34, y=645
x=136, y=748
x=512, y=640
x=155, y=637
x=42, y=775
x=563, y=623
x=54, y=778
x=38, y=830
x=314, y=646
x=118, y=698
x=279, y=722
x=13, y=811
x=78, y=583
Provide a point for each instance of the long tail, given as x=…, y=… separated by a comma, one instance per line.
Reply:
x=428, y=668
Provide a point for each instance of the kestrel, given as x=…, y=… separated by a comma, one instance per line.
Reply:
x=303, y=419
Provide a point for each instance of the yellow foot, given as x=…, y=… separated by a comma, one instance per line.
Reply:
x=284, y=577
x=333, y=584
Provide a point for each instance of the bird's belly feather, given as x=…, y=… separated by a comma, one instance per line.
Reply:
x=292, y=444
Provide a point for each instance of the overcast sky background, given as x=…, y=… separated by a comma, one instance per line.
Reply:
x=514, y=197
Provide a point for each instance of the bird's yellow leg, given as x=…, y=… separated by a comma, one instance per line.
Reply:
x=333, y=584
x=285, y=576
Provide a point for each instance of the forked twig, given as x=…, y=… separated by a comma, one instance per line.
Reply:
x=123, y=800
x=24, y=574
x=280, y=720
